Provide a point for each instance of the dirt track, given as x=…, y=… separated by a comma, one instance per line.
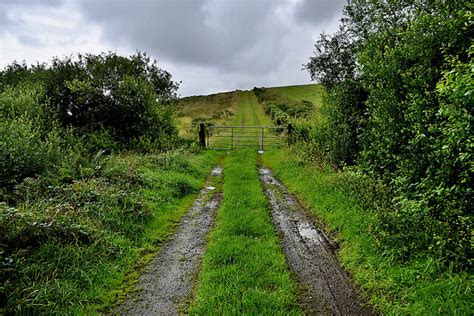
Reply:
x=167, y=282
x=326, y=289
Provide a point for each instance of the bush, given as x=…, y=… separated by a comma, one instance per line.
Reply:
x=282, y=110
x=128, y=97
x=400, y=108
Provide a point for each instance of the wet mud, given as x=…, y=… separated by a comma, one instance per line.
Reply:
x=325, y=287
x=168, y=281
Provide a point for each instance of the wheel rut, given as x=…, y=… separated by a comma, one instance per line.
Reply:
x=325, y=287
x=167, y=282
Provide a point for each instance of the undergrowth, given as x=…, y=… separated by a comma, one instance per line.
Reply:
x=66, y=246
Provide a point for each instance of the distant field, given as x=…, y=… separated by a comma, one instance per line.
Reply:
x=309, y=92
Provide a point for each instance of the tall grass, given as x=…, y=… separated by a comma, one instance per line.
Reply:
x=68, y=246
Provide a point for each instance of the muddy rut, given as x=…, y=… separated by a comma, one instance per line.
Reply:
x=326, y=289
x=168, y=281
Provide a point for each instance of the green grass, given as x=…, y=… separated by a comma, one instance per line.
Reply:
x=78, y=247
x=310, y=92
x=249, y=112
x=418, y=287
x=244, y=270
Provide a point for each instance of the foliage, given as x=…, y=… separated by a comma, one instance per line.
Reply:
x=76, y=210
x=65, y=246
x=399, y=77
x=128, y=97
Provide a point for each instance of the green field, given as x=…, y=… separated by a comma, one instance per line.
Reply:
x=310, y=92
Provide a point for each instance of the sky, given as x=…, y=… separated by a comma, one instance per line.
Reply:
x=207, y=45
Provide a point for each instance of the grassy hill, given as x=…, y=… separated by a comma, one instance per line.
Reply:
x=309, y=92
x=221, y=108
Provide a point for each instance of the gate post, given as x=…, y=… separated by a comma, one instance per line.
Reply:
x=290, y=134
x=202, y=135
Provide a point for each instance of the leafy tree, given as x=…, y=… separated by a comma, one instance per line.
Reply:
x=399, y=75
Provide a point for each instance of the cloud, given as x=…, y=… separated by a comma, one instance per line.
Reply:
x=210, y=45
x=229, y=35
x=10, y=9
x=319, y=11
x=37, y=30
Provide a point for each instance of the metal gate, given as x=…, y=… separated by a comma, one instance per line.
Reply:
x=237, y=137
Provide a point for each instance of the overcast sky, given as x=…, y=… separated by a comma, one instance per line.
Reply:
x=209, y=45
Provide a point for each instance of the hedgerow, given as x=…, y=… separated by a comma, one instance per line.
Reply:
x=399, y=76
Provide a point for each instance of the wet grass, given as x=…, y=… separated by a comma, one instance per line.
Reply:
x=244, y=270
x=249, y=111
x=393, y=288
x=75, y=248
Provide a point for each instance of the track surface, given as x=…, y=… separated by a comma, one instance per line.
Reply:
x=167, y=282
x=326, y=288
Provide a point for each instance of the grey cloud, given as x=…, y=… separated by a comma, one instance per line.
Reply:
x=318, y=11
x=32, y=2
x=210, y=45
x=11, y=24
x=229, y=35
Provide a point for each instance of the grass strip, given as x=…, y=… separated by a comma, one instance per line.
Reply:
x=416, y=287
x=244, y=270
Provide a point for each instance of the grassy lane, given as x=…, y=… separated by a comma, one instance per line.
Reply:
x=249, y=111
x=244, y=269
x=413, y=288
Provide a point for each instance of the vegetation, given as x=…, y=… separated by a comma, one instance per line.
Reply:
x=399, y=108
x=281, y=109
x=313, y=93
x=216, y=109
x=422, y=286
x=77, y=209
x=244, y=270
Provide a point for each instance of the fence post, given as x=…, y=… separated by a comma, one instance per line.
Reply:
x=202, y=135
x=261, y=142
x=232, y=139
x=290, y=134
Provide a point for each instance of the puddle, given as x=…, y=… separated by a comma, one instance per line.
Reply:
x=217, y=171
x=307, y=231
x=325, y=287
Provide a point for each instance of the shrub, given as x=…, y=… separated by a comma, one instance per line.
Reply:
x=400, y=107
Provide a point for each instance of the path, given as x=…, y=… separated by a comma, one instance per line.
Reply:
x=167, y=282
x=325, y=286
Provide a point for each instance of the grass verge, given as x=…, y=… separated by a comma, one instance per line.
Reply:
x=69, y=247
x=244, y=270
x=393, y=288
